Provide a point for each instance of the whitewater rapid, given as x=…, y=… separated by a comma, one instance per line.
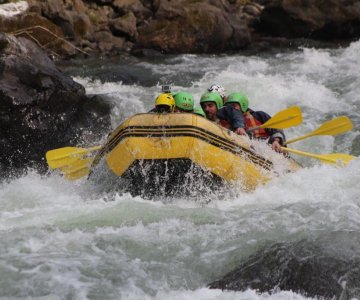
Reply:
x=60, y=240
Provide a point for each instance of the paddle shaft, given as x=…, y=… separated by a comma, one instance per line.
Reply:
x=309, y=154
x=300, y=138
x=333, y=158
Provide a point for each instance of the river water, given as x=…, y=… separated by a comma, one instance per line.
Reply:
x=59, y=240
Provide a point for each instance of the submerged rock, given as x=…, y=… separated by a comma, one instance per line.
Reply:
x=310, y=268
x=41, y=108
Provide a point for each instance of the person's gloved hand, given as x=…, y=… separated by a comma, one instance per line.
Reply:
x=240, y=131
x=276, y=146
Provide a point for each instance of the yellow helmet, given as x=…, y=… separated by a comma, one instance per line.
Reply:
x=165, y=100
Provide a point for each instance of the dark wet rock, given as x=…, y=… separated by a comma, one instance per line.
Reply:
x=82, y=26
x=41, y=108
x=135, y=6
x=107, y=43
x=182, y=26
x=332, y=19
x=102, y=2
x=253, y=9
x=125, y=26
x=55, y=10
x=310, y=268
x=143, y=52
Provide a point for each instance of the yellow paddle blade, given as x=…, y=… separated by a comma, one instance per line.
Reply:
x=78, y=169
x=333, y=127
x=78, y=174
x=58, y=163
x=333, y=158
x=338, y=158
x=284, y=119
x=58, y=158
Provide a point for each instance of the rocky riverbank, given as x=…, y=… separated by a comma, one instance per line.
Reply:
x=109, y=27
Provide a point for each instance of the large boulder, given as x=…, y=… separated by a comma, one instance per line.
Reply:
x=331, y=19
x=125, y=26
x=328, y=267
x=40, y=107
x=202, y=26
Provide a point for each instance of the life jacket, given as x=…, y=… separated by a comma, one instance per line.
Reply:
x=225, y=124
x=251, y=122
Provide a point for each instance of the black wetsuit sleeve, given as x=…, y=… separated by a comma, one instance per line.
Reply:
x=273, y=133
x=233, y=116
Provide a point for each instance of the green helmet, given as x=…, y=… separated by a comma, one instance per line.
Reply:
x=239, y=98
x=199, y=111
x=212, y=97
x=184, y=101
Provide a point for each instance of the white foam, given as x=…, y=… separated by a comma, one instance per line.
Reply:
x=315, y=61
x=126, y=100
x=13, y=8
x=214, y=294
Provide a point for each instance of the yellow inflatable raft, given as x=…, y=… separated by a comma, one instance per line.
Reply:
x=167, y=153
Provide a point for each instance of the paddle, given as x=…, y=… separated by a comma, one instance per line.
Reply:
x=333, y=127
x=77, y=169
x=333, y=158
x=283, y=119
x=61, y=157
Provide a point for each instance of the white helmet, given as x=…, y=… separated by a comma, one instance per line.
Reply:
x=219, y=89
